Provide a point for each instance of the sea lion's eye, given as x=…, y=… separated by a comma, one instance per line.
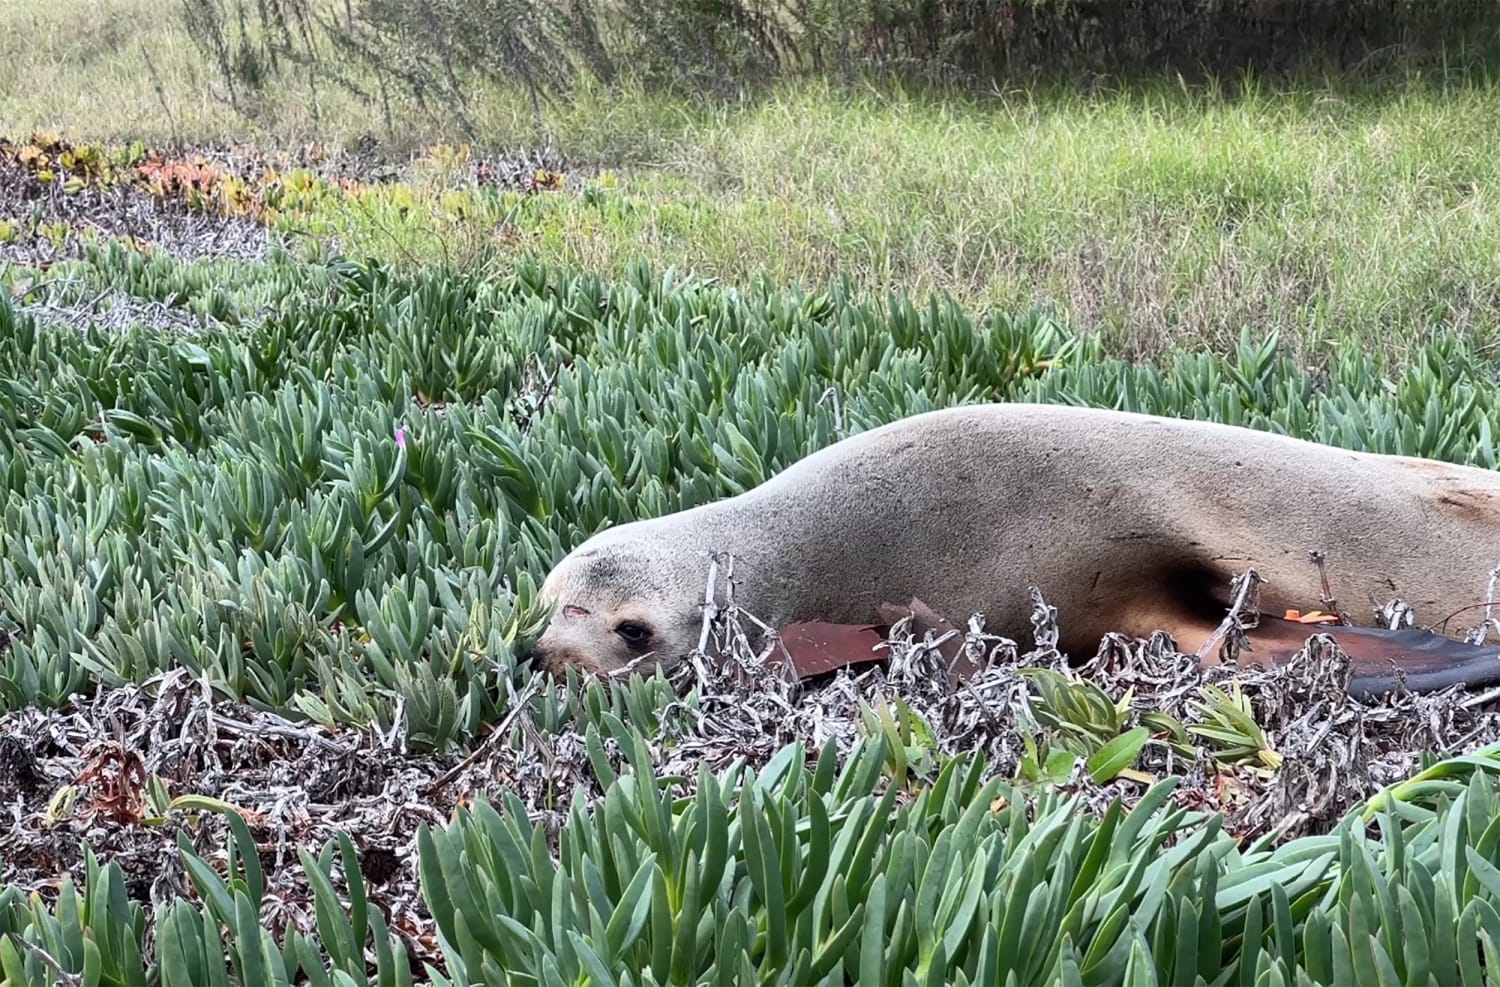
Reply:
x=632, y=632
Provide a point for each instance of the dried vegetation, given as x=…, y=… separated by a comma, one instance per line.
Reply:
x=136, y=774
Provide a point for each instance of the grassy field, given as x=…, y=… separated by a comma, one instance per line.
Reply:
x=277, y=488
x=1331, y=215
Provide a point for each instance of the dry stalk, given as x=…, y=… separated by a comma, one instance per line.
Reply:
x=1328, y=601
x=518, y=705
x=1483, y=630
x=1232, y=627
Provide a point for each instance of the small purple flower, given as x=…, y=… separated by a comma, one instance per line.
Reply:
x=401, y=437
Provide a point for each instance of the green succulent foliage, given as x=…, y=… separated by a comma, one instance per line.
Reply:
x=336, y=498
x=96, y=935
x=809, y=871
x=805, y=872
x=237, y=501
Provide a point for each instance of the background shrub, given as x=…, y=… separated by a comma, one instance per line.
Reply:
x=432, y=49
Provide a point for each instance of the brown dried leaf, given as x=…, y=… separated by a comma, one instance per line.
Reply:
x=817, y=647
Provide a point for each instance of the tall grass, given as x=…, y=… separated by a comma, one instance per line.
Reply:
x=1155, y=217
x=1153, y=214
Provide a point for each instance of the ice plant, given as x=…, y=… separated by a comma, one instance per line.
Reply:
x=230, y=501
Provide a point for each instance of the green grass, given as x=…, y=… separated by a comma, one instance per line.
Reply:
x=243, y=508
x=1155, y=219
x=96, y=66
x=1333, y=215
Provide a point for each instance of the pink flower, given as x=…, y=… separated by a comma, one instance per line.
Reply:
x=401, y=437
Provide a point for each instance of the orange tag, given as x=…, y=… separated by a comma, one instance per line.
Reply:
x=1311, y=617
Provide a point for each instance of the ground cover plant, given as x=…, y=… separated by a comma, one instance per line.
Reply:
x=289, y=437
x=293, y=533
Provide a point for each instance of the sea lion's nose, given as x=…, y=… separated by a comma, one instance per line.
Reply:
x=544, y=659
x=537, y=655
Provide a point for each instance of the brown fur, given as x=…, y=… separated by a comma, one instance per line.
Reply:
x=1125, y=522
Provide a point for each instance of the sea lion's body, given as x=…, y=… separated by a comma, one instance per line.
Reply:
x=1125, y=522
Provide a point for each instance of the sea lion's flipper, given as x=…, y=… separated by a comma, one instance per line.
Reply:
x=1428, y=661
x=1377, y=656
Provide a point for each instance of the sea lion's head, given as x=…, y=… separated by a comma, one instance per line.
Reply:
x=620, y=604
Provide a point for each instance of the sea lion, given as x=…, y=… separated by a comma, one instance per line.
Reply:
x=1125, y=522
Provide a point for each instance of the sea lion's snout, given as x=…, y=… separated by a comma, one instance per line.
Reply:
x=579, y=639
x=553, y=658
x=541, y=658
x=550, y=662
x=613, y=611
